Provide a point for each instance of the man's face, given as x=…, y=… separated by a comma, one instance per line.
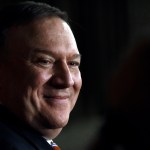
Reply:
x=42, y=77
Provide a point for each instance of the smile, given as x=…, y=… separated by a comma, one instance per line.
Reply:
x=56, y=97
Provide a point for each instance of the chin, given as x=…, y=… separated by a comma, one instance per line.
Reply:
x=62, y=124
x=54, y=122
x=59, y=123
x=60, y=119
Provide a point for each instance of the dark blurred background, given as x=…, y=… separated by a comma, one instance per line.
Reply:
x=104, y=30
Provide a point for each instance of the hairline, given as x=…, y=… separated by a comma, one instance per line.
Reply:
x=38, y=11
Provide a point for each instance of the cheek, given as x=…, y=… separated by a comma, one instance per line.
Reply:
x=77, y=87
x=27, y=74
x=78, y=82
x=38, y=78
x=35, y=89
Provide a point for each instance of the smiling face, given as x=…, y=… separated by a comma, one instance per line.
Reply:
x=42, y=72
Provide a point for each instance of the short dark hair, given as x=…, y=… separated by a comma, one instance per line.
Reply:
x=24, y=12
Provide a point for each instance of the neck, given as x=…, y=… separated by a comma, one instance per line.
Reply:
x=50, y=133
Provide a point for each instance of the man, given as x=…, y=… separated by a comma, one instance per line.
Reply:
x=39, y=75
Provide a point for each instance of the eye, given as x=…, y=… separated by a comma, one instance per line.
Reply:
x=74, y=63
x=44, y=62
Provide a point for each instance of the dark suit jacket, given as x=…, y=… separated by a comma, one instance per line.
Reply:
x=16, y=135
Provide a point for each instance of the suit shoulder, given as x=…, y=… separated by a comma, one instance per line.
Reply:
x=10, y=140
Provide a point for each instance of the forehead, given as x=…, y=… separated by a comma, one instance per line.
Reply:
x=47, y=33
x=51, y=26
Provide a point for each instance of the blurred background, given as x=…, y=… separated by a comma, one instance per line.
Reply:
x=105, y=31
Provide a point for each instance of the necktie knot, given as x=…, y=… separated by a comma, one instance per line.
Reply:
x=55, y=146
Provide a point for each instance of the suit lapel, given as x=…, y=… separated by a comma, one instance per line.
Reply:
x=26, y=132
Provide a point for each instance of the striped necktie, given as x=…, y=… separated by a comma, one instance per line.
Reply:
x=55, y=146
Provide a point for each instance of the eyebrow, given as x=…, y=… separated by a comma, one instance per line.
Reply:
x=76, y=56
x=45, y=51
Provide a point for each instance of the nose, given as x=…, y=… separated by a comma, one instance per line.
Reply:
x=62, y=76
